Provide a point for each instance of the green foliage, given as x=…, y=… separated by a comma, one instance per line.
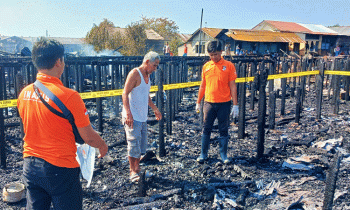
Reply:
x=100, y=37
x=166, y=28
x=134, y=41
x=163, y=26
x=133, y=38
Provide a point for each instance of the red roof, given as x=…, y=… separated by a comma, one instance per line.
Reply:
x=288, y=26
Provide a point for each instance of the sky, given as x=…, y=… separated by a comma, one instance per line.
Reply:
x=74, y=18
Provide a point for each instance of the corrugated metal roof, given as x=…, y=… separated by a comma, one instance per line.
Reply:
x=152, y=35
x=299, y=27
x=213, y=32
x=184, y=37
x=263, y=36
x=318, y=29
x=342, y=30
x=288, y=26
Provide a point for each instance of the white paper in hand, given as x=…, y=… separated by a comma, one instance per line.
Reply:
x=86, y=159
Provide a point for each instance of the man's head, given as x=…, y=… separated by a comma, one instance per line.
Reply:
x=215, y=51
x=46, y=52
x=151, y=61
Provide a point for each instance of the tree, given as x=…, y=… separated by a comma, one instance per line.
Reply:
x=100, y=37
x=134, y=39
x=166, y=28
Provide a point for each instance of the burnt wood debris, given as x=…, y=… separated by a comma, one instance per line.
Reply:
x=289, y=145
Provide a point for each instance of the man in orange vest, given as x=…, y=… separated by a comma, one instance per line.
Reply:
x=50, y=169
x=219, y=89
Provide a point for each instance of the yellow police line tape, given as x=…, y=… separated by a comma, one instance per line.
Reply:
x=110, y=93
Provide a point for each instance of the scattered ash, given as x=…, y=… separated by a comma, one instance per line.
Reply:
x=292, y=176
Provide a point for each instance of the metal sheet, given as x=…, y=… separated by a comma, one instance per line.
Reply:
x=264, y=36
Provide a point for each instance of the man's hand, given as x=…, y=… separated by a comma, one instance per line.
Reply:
x=198, y=107
x=234, y=111
x=103, y=149
x=158, y=114
x=129, y=120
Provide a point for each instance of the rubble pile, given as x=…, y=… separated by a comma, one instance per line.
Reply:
x=292, y=175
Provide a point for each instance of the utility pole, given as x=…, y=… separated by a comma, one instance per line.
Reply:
x=200, y=36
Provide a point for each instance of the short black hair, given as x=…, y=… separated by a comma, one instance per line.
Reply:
x=214, y=46
x=46, y=52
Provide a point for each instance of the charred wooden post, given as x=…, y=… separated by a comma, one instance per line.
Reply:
x=331, y=182
x=292, y=89
x=172, y=93
x=252, y=87
x=272, y=109
x=241, y=103
x=93, y=76
x=169, y=107
x=336, y=90
x=319, y=90
x=2, y=127
x=160, y=103
x=65, y=76
x=104, y=76
x=27, y=73
x=176, y=91
x=99, y=100
x=142, y=185
x=81, y=78
x=262, y=113
x=284, y=88
x=298, y=105
x=118, y=85
x=76, y=77
x=19, y=86
x=309, y=68
x=347, y=81
x=272, y=70
x=3, y=87
x=303, y=83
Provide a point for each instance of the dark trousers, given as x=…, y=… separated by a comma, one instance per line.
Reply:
x=221, y=111
x=48, y=184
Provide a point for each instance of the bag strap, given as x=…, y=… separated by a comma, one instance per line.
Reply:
x=60, y=114
x=66, y=114
x=53, y=97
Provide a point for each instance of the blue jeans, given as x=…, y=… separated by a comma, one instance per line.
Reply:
x=221, y=111
x=47, y=183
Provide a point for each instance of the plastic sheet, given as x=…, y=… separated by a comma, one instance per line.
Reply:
x=86, y=159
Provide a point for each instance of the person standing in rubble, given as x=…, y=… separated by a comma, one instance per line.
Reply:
x=50, y=169
x=136, y=100
x=218, y=88
x=166, y=49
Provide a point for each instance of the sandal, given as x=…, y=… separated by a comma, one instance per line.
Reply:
x=134, y=178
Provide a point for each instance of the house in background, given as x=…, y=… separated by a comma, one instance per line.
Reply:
x=71, y=45
x=249, y=41
x=343, y=39
x=14, y=44
x=317, y=38
x=197, y=43
x=184, y=38
x=263, y=42
x=154, y=41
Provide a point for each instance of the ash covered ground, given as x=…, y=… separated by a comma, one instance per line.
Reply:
x=293, y=176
